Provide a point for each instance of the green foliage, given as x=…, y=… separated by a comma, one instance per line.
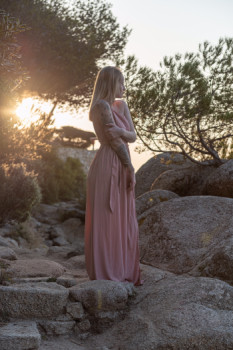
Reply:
x=187, y=106
x=66, y=44
x=11, y=71
x=17, y=142
x=12, y=75
x=19, y=192
x=60, y=180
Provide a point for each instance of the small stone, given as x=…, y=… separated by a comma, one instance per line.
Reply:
x=84, y=336
x=57, y=327
x=76, y=310
x=66, y=282
x=3, y=242
x=107, y=315
x=12, y=242
x=84, y=325
x=7, y=253
x=60, y=241
x=64, y=318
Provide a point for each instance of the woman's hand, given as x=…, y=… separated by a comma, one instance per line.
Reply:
x=114, y=131
x=131, y=180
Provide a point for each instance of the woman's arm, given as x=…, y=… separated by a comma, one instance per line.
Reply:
x=114, y=131
x=102, y=113
x=129, y=136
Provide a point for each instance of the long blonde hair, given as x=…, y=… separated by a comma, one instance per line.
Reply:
x=105, y=86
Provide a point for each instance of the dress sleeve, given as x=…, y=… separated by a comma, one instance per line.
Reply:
x=102, y=114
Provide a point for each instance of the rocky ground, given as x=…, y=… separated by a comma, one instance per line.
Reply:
x=186, y=301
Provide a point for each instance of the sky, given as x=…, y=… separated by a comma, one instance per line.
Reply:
x=163, y=28
x=166, y=27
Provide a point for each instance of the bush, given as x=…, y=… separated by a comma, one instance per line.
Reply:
x=60, y=180
x=19, y=192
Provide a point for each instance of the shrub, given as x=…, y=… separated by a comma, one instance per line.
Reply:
x=19, y=192
x=60, y=180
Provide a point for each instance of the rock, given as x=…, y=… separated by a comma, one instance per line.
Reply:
x=12, y=243
x=64, y=251
x=178, y=234
x=33, y=300
x=71, y=212
x=84, y=325
x=21, y=335
x=7, y=230
x=29, y=279
x=75, y=310
x=7, y=253
x=185, y=181
x=148, y=172
x=47, y=214
x=73, y=230
x=217, y=264
x=36, y=268
x=60, y=241
x=70, y=231
x=220, y=182
x=66, y=282
x=176, y=313
x=3, y=242
x=76, y=262
x=62, y=343
x=101, y=295
x=57, y=327
x=149, y=199
x=64, y=318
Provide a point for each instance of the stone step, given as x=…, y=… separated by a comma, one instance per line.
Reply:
x=33, y=300
x=21, y=335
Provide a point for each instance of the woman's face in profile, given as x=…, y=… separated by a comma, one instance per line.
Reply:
x=120, y=88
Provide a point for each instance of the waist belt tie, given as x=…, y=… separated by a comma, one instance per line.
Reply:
x=113, y=183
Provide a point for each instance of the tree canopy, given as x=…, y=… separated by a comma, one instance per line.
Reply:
x=74, y=137
x=16, y=142
x=186, y=106
x=66, y=44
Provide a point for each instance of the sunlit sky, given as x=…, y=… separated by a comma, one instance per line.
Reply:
x=163, y=28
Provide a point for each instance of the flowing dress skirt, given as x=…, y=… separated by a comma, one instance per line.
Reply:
x=111, y=228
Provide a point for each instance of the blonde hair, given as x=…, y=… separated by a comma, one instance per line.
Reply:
x=105, y=86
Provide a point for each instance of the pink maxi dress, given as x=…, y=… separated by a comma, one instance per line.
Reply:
x=111, y=228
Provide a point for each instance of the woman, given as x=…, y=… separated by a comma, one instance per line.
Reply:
x=111, y=229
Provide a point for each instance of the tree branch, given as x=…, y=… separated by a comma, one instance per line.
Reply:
x=204, y=144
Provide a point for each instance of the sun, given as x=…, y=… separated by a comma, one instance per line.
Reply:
x=24, y=111
x=29, y=110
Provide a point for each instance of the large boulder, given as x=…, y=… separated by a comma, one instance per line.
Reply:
x=33, y=300
x=148, y=172
x=149, y=199
x=178, y=234
x=185, y=181
x=220, y=182
x=20, y=335
x=174, y=312
x=101, y=295
x=35, y=268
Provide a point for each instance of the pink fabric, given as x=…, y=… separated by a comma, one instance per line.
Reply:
x=111, y=228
